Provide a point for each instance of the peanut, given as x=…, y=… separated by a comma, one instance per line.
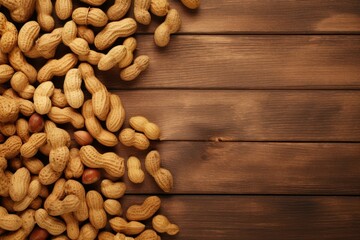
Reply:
x=159, y=7
x=39, y=234
x=94, y=127
x=90, y=176
x=48, y=176
x=83, y=138
x=58, y=99
x=118, y=10
x=88, y=232
x=61, y=237
x=9, y=109
x=20, y=11
x=79, y=46
x=57, y=193
x=47, y=44
x=36, y=123
x=141, y=11
x=100, y=99
x=135, y=174
x=9, y=222
x=32, y=193
x=19, y=184
x=74, y=168
x=34, y=165
x=26, y=107
x=171, y=25
x=93, y=57
x=53, y=225
x=131, y=72
x=20, y=83
x=161, y=224
x=114, y=30
x=72, y=225
x=110, y=162
x=31, y=147
x=144, y=211
x=28, y=220
x=116, y=116
x=89, y=16
x=192, y=4
x=94, y=2
x=59, y=153
x=66, y=115
x=112, y=190
x=162, y=176
x=97, y=214
x=76, y=188
x=19, y=63
x=148, y=235
x=120, y=236
x=42, y=96
x=112, y=207
x=129, y=138
x=57, y=67
x=86, y=33
x=7, y=129
x=106, y=236
x=63, y=8
x=8, y=33
x=27, y=35
x=141, y=124
x=59, y=207
x=120, y=225
x=112, y=58
x=130, y=45
x=44, y=9
x=6, y=72
x=72, y=88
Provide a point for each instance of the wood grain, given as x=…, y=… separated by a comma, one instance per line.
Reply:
x=249, y=115
x=261, y=217
x=254, y=168
x=248, y=62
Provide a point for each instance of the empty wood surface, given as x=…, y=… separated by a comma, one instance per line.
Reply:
x=260, y=217
x=249, y=115
x=248, y=62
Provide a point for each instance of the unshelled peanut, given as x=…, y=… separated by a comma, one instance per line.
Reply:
x=141, y=124
x=192, y=4
x=118, y=10
x=171, y=25
x=120, y=225
x=90, y=16
x=144, y=211
x=112, y=190
x=97, y=214
x=141, y=63
x=129, y=138
x=135, y=173
x=161, y=224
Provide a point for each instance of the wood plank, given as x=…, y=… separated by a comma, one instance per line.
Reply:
x=249, y=115
x=248, y=62
x=254, y=168
x=260, y=217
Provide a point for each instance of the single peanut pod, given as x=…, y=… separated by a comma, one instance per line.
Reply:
x=9, y=222
x=72, y=225
x=113, y=31
x=9, y=109
x=106, y=236
x=112, y=58
x=42, y=96
x=20, y=83
x=192, y=4
x=141, y=124
x=118, y=10
x=89, y=16
x=171, y=25
x=6, y=72
x=10, y=148
x=48, y=176
x=148, y=234
x=53, y=225
x=97, y=214
x=59, y=154
x=69, y=36
x=57, y=67
x=58, y=99
x=88, y=232
x=162, y=176
x=20, y=11
x=86, y=33
x=57, y=193
x=31, y=147
x=135, y=173
x=76, y=188
x=8, y=32
x=47, y=44
x=159, y=7
x=93, y=57
x=140, y=64
x=110, y=162
x=120, y=225
x=100, y=97
x=141, y=11
x=44, y=18
x=116, y=116
x=59, y=207
x=66, y=115
x=26, y=107
x=112, y=207
x=161, y=224
x=130, y=45
x=74, y=168
x=33, y=192
x=27, y=35
x=63, y=8
x=72, y=88
x=34, y=165
x=19, y=63
x=19, y=184
x=129, y=138
x=7, y=129
x=144, y=211
x=112, y=190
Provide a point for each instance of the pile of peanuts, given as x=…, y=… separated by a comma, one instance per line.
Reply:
x=44, y=165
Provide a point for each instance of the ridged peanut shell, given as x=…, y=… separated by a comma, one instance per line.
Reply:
x=159, y=7
x=19, y=184
x=27, y=35
x=192, y=4
x=144, y=211
x=89, y=16
x=116, y=116
x=53, y=225
x=9, y=109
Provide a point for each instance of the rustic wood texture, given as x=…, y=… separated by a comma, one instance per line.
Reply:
x=260, y=217
x=249, y=115
x=254, y=168
x=248, y=62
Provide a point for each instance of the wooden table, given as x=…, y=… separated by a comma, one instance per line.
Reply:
x=259, y=104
